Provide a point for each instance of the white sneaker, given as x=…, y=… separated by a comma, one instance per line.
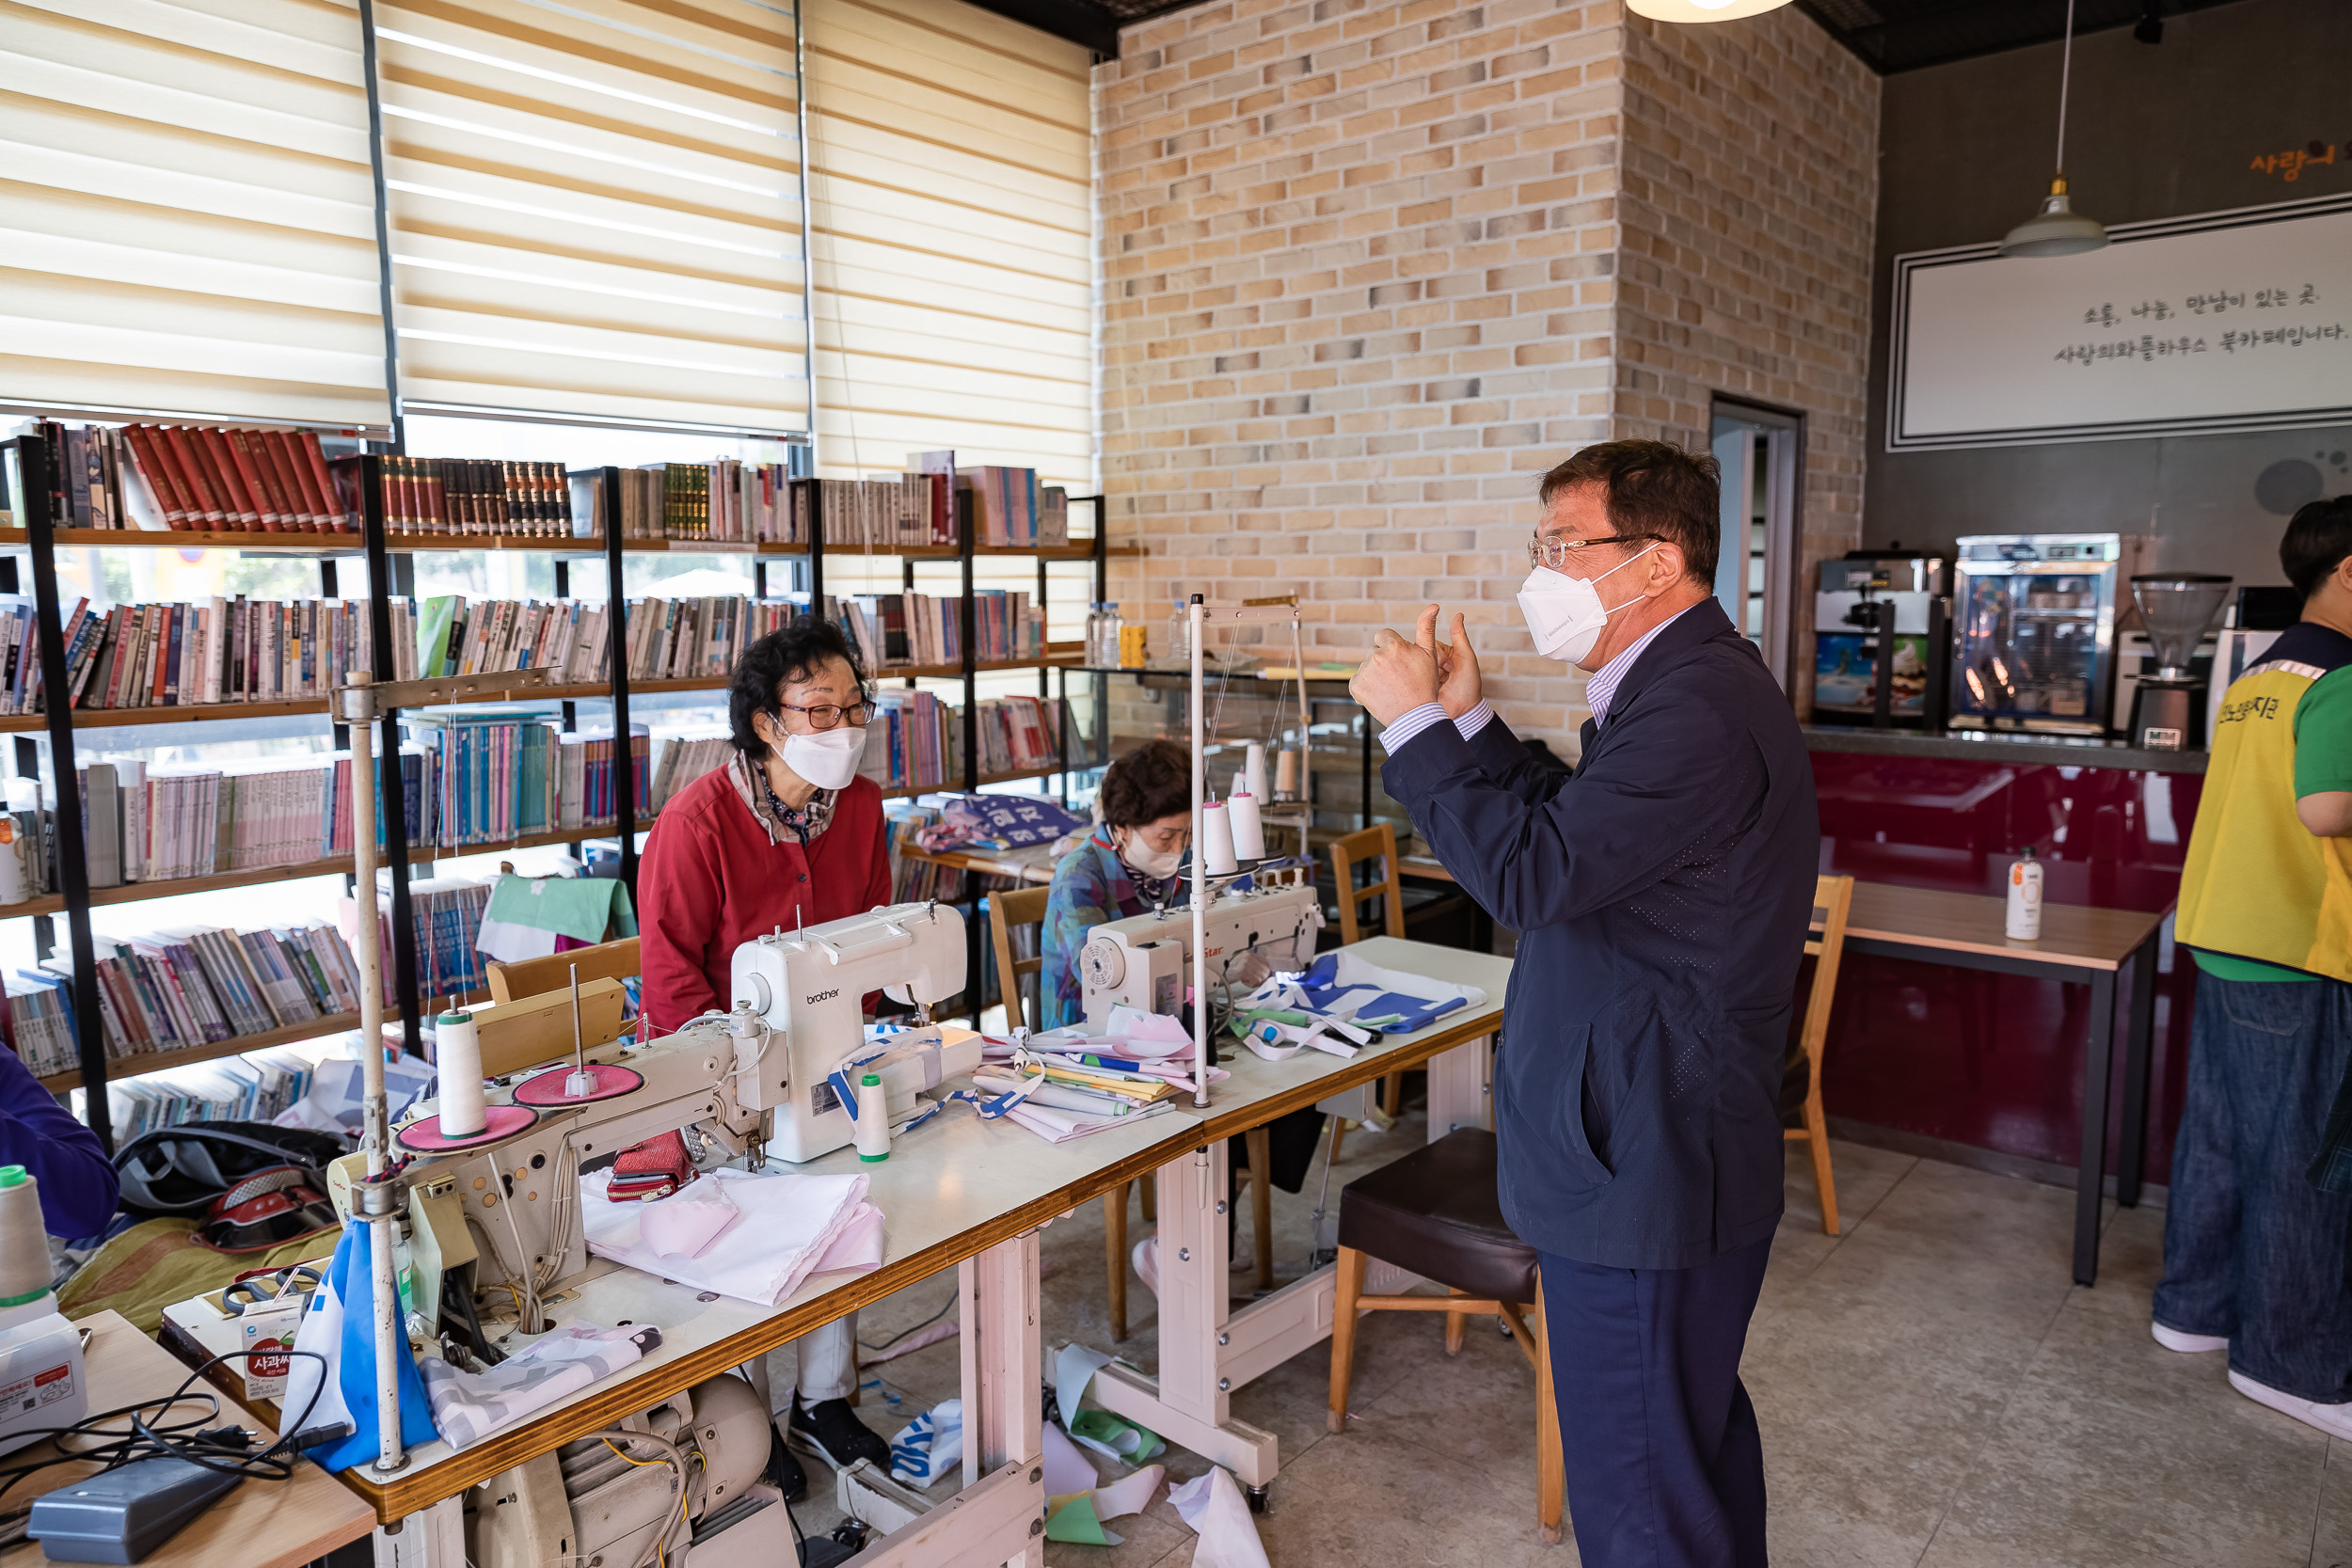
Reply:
x=2187, y=1344
x=2333, y=1420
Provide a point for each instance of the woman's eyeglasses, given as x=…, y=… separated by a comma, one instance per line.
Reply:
x=1556, y=553
x=827, y=715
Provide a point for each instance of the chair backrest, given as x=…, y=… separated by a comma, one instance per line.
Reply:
x=1833, y=898
x=1377, y=842
x=605, y=960
x=1009, y=910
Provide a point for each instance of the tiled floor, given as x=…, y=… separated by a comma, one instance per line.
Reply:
x=1933, y=1391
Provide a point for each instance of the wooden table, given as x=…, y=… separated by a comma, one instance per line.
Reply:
x=2078, y=944
x=261, y=1524
x=1032, y=864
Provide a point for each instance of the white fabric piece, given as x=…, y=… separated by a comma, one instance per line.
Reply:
x=1074, y=1366
x=1130, y=1495
x=1061, y=1127
x=1354, y=970
x=859, y=1247
x=686, y=1222
x=790, y=1222
x=510, y=942
x=1146, y=1259
x=1067, y=1469
x=1213, y=1506
x=470, y=1406
x=929, y=1446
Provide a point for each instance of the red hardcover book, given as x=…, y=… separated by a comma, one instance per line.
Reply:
x=276, y=446
x=252, y=452
x=244, y=511
x=245, y=472
x=338, y=519
x=159, y=479
x=195, y=476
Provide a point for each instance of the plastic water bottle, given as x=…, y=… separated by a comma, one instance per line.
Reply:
x=1111, y=628
x=1094, y=636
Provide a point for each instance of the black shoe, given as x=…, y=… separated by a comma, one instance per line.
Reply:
x=783, y=1468
x=834, y=1429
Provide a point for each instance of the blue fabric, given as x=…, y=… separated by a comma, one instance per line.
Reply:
x=78, y=1184
x=1661, y=895
x=1369, y=1002
x=1659, y=1441
x=352, y=1277
x=2253, y=1251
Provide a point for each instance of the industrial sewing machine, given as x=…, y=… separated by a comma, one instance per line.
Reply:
x=1145, y=962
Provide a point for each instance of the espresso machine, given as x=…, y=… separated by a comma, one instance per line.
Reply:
x=2175, y=608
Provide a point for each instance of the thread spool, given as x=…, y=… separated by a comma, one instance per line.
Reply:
x=873, y=1119
x=1249, y=832
x=457, y=1058
x=1285, y=774
x=24, y=1239
x=1255, y=769
x=1217, y=839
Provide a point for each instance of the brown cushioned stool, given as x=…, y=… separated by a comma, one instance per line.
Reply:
x=1436, y=1214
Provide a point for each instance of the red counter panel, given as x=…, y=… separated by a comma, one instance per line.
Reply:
x=1996, y=1060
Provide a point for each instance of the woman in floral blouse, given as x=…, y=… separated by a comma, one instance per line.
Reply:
x=1127, y=866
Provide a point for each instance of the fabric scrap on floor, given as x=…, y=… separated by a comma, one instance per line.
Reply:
x=1110, y=1435
x=929, y=1446
x=1212, y=1505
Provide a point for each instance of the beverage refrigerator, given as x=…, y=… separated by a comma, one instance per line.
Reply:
x=2034, y=616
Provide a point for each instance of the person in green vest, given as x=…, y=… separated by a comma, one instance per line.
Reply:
x=2254, y=1251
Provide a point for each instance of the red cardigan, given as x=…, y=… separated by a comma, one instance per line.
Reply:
x=709, y=881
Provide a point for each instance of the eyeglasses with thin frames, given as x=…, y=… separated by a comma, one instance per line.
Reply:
x=1557, y=553
x=826, y=716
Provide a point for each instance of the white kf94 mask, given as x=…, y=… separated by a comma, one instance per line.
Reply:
x=827, y=759
x=1565, y=613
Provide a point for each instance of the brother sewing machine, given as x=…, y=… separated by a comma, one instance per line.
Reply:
x=1145, y=962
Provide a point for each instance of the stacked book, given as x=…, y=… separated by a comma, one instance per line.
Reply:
x=193, y=479
x=259, y=1085
x=722, y=501
x=876, y=514
x=186, y=987
x=891, y=630
x=470, y=495
x=220, y=650
x=680, y=759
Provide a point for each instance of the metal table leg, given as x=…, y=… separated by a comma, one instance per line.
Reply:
x=2090, y=1168
x=2138, y=1048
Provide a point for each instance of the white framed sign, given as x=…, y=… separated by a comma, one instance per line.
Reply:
x=2219, y=321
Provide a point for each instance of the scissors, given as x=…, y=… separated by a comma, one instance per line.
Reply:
x=255, y=1289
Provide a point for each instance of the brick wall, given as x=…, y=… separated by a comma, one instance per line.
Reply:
x=1362, y=287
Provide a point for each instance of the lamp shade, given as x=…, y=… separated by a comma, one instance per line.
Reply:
x=2057, y=230
x=1701, y=10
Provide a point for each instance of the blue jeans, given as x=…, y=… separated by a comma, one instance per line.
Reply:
x=2253, y=1251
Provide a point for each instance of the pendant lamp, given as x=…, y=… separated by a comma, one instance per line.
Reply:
x=1701, y=10
x=2057, y=230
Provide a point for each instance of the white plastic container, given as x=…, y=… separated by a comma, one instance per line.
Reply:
x=873, y=1119
x=42, y=1381
x=2024, y=922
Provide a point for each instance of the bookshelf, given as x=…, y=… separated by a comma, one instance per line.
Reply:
x=387, y=555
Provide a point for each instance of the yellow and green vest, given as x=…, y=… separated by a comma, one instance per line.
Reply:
x=2257, y=885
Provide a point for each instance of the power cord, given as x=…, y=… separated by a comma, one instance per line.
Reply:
x=201, y=1440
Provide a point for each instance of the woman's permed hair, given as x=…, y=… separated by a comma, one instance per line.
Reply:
x=793, y=654
x=1149, y=783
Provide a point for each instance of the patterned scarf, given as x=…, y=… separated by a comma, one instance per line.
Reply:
x=808, y=824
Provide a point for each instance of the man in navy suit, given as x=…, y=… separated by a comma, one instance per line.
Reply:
x=1661, y=895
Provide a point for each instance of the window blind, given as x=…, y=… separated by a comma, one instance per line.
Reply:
x=951, y=238
x=595, y=209
x=187, y=212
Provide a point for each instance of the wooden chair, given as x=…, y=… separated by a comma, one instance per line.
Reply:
x=605, y=960
x=1024, y=910
x=1436, y=1212
x=1832, y=897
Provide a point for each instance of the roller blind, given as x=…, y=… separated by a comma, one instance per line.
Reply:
x=187, y=212
x=594, y=208
x=952, y=237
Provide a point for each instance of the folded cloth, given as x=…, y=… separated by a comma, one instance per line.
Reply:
x=858, y=1249
x=790, y=1224
x=929, y=1446
x=685, y=1224
x=468, y=1406
x=1346, y=985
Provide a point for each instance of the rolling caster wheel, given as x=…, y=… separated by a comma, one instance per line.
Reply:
x=1256, y=1497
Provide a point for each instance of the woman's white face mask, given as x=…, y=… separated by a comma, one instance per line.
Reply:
x=1158, y=864
x=827, y=759
x=1565, y=613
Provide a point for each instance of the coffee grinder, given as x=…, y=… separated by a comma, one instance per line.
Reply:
x=2175, y=608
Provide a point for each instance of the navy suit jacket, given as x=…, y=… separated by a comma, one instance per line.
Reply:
x=1662, y=896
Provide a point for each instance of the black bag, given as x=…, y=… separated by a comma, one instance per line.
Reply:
x=181, y=1172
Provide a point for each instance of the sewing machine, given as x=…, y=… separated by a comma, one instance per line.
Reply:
x=1145, y=962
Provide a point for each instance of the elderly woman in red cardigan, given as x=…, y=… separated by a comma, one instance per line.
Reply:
x=786, y=833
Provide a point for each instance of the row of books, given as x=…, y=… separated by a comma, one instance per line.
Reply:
x=722, y=501
x=680, y=759
x=194, y=478
x=258, y=1086
x=184, y=988
x=497, y=775
x=1010, y=509
x=893, y=629
x=446, y=921
x=915, y=741
x=220, y=650
x=665, y=639
x=476, y=495
x=877, y=514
